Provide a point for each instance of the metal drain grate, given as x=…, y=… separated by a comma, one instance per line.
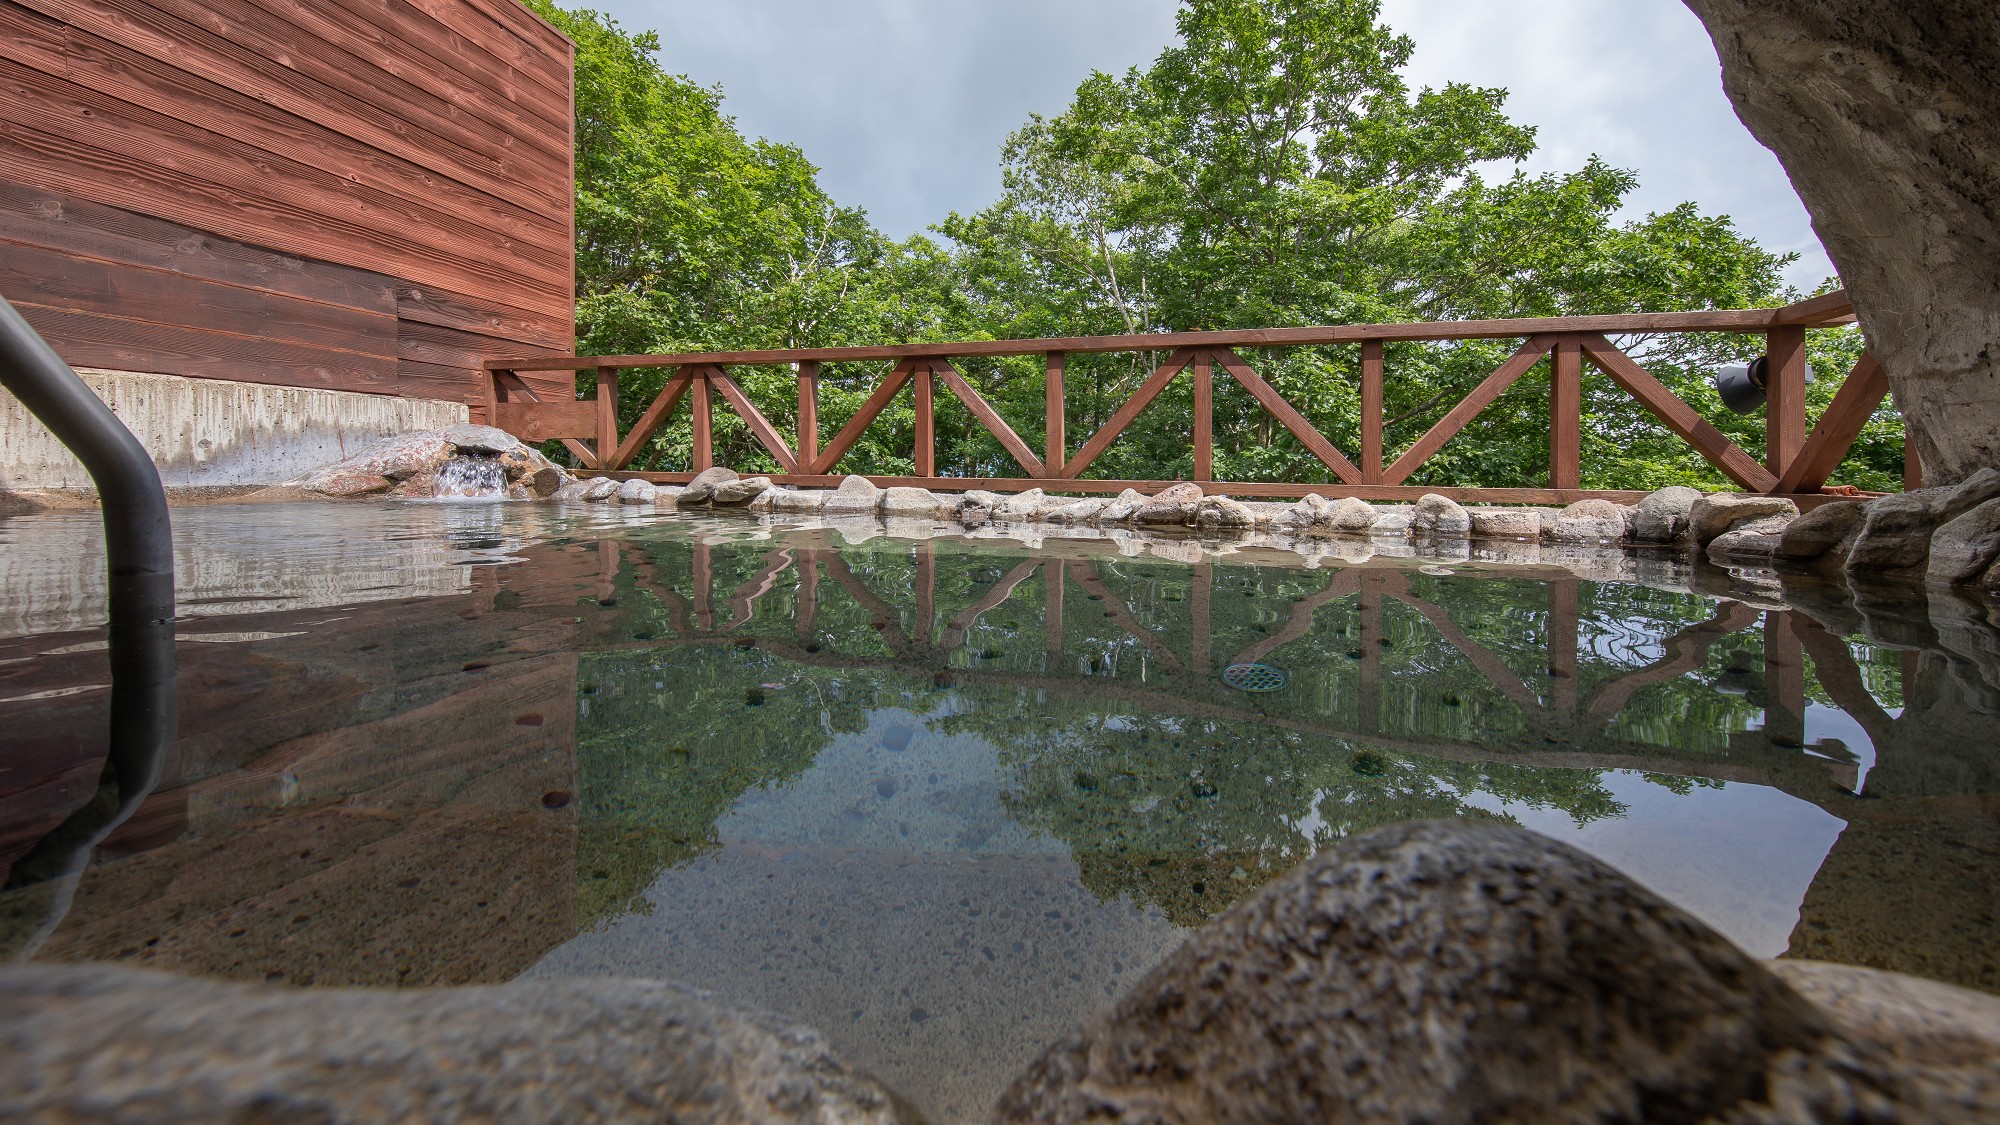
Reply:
x=1255, y=677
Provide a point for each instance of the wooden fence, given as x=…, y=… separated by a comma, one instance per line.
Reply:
x=1798, y=463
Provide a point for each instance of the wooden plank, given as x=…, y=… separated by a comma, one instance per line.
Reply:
x=1853, y=405
x=1140, y=400
x=1678, y=416
x=761, y=428
x=851, y=433
x=90, y=340
x=1371, y=411
x=1308, y=435
x=808, y=451
x=605, y=399
x=1204, y=416
x=1566, y=414
x=512, y=385
x=476, y=29
x=33, y=39
x=444, y=309
x=704, y=419
x=923, y=454
x=989, y=418
x=138, y=293
x=544, y=421
x=449, y=347
x=1720, y=320
x=449, y=384
x=1054, y=448
x=1469, y=407
x=1823, y=311
x=1784, y=397
x=655, y=415
x=77, y=227
x=510, y=20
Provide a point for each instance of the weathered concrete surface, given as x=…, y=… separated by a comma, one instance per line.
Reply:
x=1886, y=115
x=116, y=1044
x=210, y=433
x=1461, y=971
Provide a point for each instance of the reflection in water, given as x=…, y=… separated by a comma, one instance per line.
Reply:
x=943, y=799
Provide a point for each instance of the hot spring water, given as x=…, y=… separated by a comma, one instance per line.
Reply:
x=469, y=475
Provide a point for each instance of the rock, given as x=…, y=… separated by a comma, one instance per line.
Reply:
x=1220, y=513
x=742, y=490
x=1172, y=506
x=522, y=461
x=545, y=1050
x=1437, y=516
x=403, y=456
x=1122, y=508
x=765, y=502
x=1941, y=1034
x=1886, y=117
x=1819, y=531
x=1896, y=530
x=1588, y=521
x=545, y=482
x=1266, y=512
x=1471, y=971
x=799, y=501
x=1505, y=523
x=668, y=495
x=701, y=489
x=1022, y=507
x=637, y=492
x=1078, y=512
x=601, y=489
x=573, y=489
x=341, y=480
x=1312, y=511
x=1394, y=523
x=1966, y=547
x=1717, y=512
x=855, y=496
x=1664, y=517
x=470, y=437
x=910, y=503
x=1351, y=514
x=1752, y=541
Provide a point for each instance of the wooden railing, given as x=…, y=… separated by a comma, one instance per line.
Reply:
x=1797, y=463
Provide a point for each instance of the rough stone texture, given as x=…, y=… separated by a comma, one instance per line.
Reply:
x=1896, y=530
x=637, y=492
x=855, y=496
x=701, y=489
x=1083, y=511
x=1172, y=506
x=1022, y=507
x=1392, y=523
x=795, y=501
x=1221, y=513
x=1819, y=531
x=473, y=438
x=1717, y=512
x=573, y=490
x=556, y=1051
x=1947, y=1036
x=1965, y=548
x=600, y=489
x=1663, y=516
x=341, y=480
x=544, y=482
x=1350, y=513
x=1754, y=541
x=381, y=464
x=1887, y=119
x=910, y=503
x=1468, y=971
x=1438, y=516
x=1587, y=521
x=1122, y=507
x=1505, y=523
x=742, y=490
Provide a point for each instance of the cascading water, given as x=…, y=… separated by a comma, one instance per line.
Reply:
x=467, y=476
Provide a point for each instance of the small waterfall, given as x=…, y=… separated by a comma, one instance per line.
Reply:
x=470, y=475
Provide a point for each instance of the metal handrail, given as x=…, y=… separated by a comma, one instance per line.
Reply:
x=139, y=560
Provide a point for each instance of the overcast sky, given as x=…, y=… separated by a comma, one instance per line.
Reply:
x=904, y=103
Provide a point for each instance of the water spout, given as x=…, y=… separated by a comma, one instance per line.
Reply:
x=470, y=475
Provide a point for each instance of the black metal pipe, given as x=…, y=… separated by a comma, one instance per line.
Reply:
x=139, y=558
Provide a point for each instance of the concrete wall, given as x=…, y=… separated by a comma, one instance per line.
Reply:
x=209, y=433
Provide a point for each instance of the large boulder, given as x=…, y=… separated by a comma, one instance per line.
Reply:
x=1310, y=512
x=107, y=1043
x=1663, y=517
x=1077, y=512
x=1755, y=541
x=1717, y=512
x=1886, y=116
x=470, y=437
x=910, y=503
x=1471, y=971
x=341, y=480
x=599, y=490
x=975, y=507
x=381, y=464
x=1394, y=522
x=1172, y=506
x=1122, y=508
x=1441, y=517
x=794, y=501
x=1505, y=523
x=742, y=490
x=1588, y=521
x=701, y=489
x=1896, y=530
x=1966, y=547
x=1221, y=513
x=1819, y=531
x=855, y=496
x=1022, y=507
x=637, y=492
x=1352, y=515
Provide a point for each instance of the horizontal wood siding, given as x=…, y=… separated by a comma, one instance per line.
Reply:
x=369, y=195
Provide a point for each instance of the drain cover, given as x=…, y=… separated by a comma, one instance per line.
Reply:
x=1255, y=677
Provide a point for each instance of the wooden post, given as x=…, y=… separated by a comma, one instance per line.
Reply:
x=926, y=444
x=808, y=607
x=1204, y=418
x=495, y=395
x=1563, y=627
x=808, y=447
x=1566, y=414
x=1784, y=396
x=704, y=587
x=1371, y=411
x=609, y=556
x=1784, y=682
x=701, y=398
x=1054, y=449
x=607, y=418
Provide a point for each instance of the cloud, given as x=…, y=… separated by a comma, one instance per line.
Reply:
x=904, y=103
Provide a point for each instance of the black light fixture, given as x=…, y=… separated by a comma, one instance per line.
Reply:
x=1741, y=385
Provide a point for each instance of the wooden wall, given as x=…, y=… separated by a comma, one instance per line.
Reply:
x=364, y=195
